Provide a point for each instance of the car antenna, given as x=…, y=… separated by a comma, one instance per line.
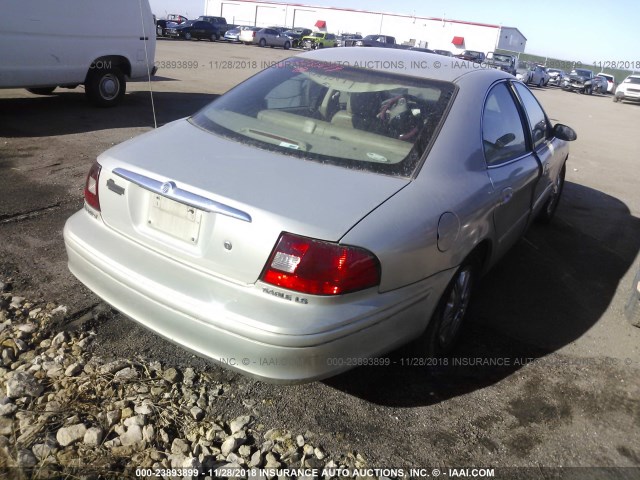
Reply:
x=146, y=56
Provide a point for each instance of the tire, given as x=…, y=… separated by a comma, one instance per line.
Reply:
x=446, y=323
x=549, y=210
x=105, y=87
x=159, y=31
x=541, y=83
x=217, y=36
x=262, y=42
x=187, y=36
x=213, y=38
x=41, y=90
x=287, y=45
x=615, y=99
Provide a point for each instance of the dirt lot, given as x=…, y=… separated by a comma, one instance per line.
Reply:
x=567, y=393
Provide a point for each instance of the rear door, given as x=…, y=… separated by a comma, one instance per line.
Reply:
x=513, y=168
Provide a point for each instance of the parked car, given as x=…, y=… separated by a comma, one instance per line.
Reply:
x=611, y=81
x=318, y=40
x=472, y=56
x=257, y=251
x=45, y=45
x=193, y=29
x=347, y=38
x=523, y=73
x=506, y=63
x=579, y=80
x=380, y=41
x=296, y=34
x=270, y=37
x=233, y=35
x=219, y=24
x=445, y=53
x=538, y=76
x=172, y=20
x=629, y=89
x=247, y=35
x=420, y=49
x=556, y=76
x=600, y=85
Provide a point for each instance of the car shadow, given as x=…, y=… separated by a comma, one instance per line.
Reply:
x=551, y=287
x=69, y=112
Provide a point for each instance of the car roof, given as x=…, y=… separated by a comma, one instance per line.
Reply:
x=406, y=62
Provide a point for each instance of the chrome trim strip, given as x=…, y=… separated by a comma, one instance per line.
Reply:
x=170, y=190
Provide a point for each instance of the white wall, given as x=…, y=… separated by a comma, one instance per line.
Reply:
x=437, y=33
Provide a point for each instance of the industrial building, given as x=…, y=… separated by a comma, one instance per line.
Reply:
x=434, y=33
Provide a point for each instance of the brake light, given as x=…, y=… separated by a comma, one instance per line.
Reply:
x=253, y=34
x=318, y=267
x=91, y=187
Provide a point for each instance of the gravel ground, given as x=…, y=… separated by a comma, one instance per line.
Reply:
x=546, y=373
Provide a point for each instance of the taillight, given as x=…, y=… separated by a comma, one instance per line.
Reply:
x=318, y=267
x=254, y=35
x=91, y=187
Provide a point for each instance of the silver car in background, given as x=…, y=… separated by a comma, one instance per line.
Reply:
x=271, y=37
x=327, y=214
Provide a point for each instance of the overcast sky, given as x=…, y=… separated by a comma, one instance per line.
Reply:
x=587, y=31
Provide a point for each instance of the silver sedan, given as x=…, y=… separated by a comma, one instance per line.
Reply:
x=271, y=37
x=331, y=210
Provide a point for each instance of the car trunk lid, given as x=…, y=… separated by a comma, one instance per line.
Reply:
x=220, y=206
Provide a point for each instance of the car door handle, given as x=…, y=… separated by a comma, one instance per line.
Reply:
x=506, y=196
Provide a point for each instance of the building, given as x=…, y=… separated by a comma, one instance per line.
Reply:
x=434, y=33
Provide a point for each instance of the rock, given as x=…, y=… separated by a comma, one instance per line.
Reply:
x=128, y=373
x=135, y=420
x=113, y=417
x=300, y=441
x=180, y=447
x=230, y=445
x=145, y=408
x=113, y=367
x=239, y=423
x=244, y=451
x=6, y=426
x=93, y=436
x=7, y=407
x=256, y=459
x=148, y=433
x=189, y=376
x=172, y=375
x=197, y=413
x=272, y=461
x=69, y=435
x=59, y=339
x=43, y=450
x=307, y=450
x=74, y=369
x=319, y=453
x=26, y=459
x=132, y=436
x=23, y=384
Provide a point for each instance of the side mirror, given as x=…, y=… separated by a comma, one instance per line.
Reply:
x=565, y=133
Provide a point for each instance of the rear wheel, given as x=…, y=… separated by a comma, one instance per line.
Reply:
x=213, y=38
x=262, y=42
x=287, y=45
x=41, y=90
x=446, y=323
x=105, y=87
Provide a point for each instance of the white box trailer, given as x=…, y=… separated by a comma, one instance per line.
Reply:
x=46, y=44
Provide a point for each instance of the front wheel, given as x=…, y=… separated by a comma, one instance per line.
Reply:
x=105, y=87
x=446, y=323
x=213, y=38
x=541, y=83
x=287, y=45
x=187, y=36
x=41, y=90
x=549, y=209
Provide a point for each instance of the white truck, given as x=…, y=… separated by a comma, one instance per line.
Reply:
x=46, y=44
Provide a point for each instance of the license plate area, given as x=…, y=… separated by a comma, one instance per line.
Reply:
x=173, y=218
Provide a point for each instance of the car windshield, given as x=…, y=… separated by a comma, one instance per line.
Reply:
x=635, y=80
x=317, y=35
x=333, y=113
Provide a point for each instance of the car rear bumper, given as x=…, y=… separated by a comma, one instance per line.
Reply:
x=225, y=327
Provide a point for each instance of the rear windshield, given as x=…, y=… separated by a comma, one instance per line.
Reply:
x=333, y=113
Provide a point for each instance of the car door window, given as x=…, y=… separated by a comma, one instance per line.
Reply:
x=503, y=136
x=537, y=119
